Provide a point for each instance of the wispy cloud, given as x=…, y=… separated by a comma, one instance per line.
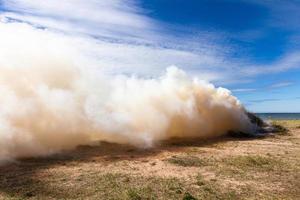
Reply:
x=287, y=62
x=264, y=100
x=110, y=19
x=118, y=36
x=283, y=13
x=281, y=84
x=244, y=90
x=107, y=29
x=264, y=88
x=271, y=100
x=283, y=16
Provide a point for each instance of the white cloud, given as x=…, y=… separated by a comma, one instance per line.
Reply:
x=281, y=84
x=244, y=90
x=117, y=37
x=287, y=62
x=97, y=18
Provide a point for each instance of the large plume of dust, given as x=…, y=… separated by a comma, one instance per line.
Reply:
x=51, y=101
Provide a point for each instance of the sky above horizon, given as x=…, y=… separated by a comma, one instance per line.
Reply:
x=251, y=47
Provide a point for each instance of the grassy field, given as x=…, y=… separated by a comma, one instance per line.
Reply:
x=226, y=168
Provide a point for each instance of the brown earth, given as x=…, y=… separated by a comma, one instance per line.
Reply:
x=224, y=168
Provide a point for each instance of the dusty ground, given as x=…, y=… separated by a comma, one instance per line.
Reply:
x=227, y=168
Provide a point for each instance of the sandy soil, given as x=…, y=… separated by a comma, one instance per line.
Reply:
x=224, y=168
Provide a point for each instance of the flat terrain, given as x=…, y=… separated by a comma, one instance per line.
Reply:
x=226, y=168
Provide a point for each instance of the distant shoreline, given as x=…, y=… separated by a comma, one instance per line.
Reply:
x=282, y=116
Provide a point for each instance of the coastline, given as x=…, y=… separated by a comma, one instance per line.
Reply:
x=279, y=116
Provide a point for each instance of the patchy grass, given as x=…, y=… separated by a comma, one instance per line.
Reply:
x=188, y=161
x=105, y=186
x=254, y=162
x=125, y=186
x=279, y=128
x=245, y=167
x=212, y=190
x=287, y=124
x=228, y=168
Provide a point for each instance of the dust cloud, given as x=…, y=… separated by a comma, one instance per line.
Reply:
x=51, y=99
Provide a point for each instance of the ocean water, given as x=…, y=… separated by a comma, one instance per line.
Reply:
x=279, y=115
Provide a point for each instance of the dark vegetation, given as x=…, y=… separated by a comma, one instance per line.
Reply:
x=256, y=120
x=263, y=128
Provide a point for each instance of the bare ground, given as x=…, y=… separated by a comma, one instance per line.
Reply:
x=225, y=168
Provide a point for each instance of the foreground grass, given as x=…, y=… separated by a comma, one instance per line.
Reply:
x=230, y=168
x=117, y=186
x=187, y=161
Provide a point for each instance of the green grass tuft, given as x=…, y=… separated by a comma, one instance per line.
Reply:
x=188, y=196
x=133, y=195
x=187, y=161
x=254, y=162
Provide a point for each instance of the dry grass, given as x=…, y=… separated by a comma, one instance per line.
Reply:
x=187, y=161
x=226, y=168
x=289, y=124
x=254, y=162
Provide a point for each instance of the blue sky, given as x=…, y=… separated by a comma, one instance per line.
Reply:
x=251, y=47
x=258, y=35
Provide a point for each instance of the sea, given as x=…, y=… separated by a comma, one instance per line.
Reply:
x=280, y=116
